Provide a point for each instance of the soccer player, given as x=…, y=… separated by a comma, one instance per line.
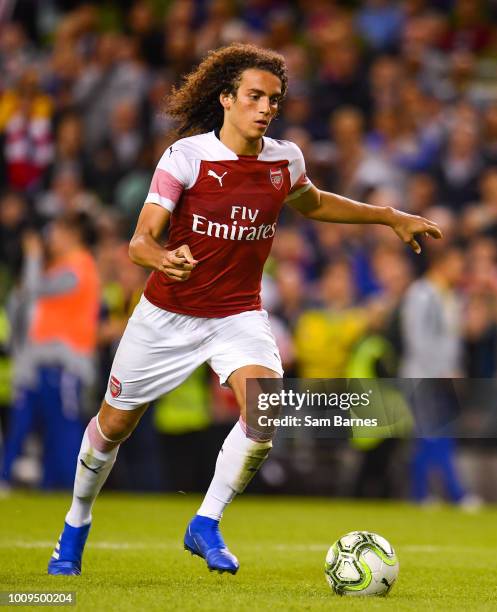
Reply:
x=220, y=189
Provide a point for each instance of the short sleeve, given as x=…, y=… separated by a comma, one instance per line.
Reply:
x=174, y=174
x=299, y=182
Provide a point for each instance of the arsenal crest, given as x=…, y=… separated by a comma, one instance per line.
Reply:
x=276, y=176
x=115, y=387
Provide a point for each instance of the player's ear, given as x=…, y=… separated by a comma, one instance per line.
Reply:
x=226, y=99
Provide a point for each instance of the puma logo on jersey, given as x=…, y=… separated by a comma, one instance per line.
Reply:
x=216, y=176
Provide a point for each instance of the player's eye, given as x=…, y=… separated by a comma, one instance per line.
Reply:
x=254, y=97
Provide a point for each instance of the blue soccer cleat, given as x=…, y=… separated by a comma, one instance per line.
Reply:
x=203, y=538
x=66, y=558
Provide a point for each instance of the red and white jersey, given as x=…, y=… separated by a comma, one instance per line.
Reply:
x=225, y=208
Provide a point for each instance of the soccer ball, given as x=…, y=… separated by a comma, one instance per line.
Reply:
x=361, y=563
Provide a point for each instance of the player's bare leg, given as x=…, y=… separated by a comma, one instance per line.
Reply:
x=97, y=455
x=238, y=461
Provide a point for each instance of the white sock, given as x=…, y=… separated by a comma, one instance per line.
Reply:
x=87, y=483
x=238, y=461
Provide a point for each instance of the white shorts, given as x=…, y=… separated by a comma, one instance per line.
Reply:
x=160, y=349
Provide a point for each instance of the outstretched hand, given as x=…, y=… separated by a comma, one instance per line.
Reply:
x=32, y=244
x=179, y=263
x=407, y=227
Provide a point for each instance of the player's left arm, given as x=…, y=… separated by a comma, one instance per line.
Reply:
x=332, y=208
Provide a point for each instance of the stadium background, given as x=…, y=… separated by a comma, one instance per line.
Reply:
x=391, y=102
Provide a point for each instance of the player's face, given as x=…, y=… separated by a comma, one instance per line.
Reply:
x=255, y=104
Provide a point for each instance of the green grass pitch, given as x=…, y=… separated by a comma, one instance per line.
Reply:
x=134, y=558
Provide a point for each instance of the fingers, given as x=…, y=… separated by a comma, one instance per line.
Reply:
x=177, y=275
x=426, y=228
x=184, y=251
x=430, y=228
x=178, y=264
x=182, y=258
x=415, y=246
x=434, y=231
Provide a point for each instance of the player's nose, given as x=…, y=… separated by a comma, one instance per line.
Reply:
x=265, y=106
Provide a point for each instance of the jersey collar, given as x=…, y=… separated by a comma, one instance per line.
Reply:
x=216, y=133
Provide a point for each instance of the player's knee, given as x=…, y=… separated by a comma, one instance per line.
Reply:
x=113, y=428
x=117, y=425
x=261, y=435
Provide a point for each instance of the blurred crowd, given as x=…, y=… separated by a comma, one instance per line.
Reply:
x=393, y=103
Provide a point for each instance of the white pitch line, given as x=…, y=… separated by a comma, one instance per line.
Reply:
x=99, y=545
x=176, y=545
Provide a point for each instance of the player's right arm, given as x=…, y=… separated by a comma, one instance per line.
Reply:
x=173, y=174
x=145, y=250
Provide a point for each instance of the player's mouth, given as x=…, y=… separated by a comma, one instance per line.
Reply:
x=261, y=123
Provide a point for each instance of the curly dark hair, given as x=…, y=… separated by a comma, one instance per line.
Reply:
x=195, y=104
